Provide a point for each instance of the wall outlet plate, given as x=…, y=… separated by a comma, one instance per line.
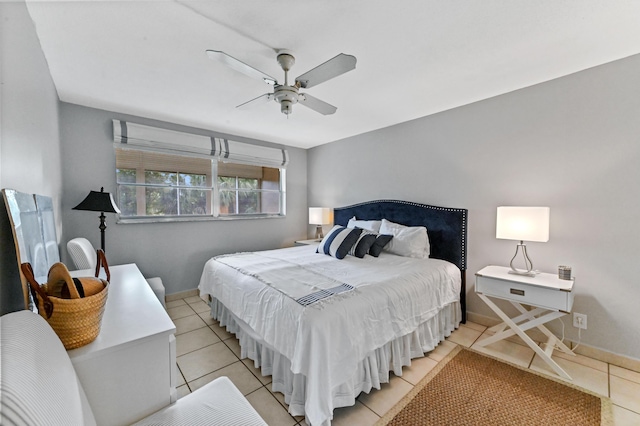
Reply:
x=580, y=320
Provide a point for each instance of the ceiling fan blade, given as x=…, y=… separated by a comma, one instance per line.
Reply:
x=262, y=99
x=316, y=104
x=332, y=68
x=240, y=66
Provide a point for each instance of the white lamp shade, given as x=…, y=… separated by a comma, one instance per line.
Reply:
x=523, y=223
x=319, y=216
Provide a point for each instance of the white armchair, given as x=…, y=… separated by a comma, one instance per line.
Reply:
x=83, y=255
x=39, y=385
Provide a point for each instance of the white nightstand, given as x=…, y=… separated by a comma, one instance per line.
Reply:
x=549, y=296
x=307, y=242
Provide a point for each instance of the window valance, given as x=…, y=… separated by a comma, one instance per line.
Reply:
x=150, y=138
x=244, y=153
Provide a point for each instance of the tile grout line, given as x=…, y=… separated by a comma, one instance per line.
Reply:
x=277, y=402
x=621, y=406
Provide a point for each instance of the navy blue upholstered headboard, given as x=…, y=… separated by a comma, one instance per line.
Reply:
x=446, y=227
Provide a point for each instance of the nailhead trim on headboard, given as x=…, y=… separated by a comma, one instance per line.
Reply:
x=461, y=262
x=447, y=232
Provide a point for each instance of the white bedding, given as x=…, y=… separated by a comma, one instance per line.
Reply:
x=327, y=341
x=304, y=284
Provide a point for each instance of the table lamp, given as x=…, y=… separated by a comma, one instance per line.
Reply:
x=319, y=216
x=99, y=202
x=523, y=224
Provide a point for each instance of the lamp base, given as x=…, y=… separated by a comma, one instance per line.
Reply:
x=529, y=272
x=319, y=233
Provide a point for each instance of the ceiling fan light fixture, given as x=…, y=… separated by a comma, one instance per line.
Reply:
x=286, y=96
x=286, y=107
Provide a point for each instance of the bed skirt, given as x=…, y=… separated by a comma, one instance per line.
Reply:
x=372, y=371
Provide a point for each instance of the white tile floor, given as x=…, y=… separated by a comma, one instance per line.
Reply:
x=206, y=351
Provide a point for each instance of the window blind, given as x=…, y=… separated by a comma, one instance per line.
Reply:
x=144, y=160
x=244, y=153
x=148, y=138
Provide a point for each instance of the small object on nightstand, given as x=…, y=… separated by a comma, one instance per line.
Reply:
x=548, y=296
x=564, y=272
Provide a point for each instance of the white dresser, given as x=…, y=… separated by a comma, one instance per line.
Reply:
x=129, y=371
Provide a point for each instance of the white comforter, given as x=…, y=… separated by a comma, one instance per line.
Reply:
x=326, y=341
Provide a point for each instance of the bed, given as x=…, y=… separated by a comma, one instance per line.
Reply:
x=389, y=309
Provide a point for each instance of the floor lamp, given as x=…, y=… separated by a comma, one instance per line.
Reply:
x=99, y=202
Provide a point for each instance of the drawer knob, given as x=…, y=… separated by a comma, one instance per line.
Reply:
x=516, y=291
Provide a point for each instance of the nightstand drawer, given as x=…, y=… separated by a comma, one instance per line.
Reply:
x=528, y=294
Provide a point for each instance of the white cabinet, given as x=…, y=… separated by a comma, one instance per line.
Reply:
x=129, y=371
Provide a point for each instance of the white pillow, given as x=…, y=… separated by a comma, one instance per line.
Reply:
x=369, y=225
x=408, y=241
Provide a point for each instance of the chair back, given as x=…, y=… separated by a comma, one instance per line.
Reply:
x=38, y=383
x=82, y=253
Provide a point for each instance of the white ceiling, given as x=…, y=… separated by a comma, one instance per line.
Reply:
x=415, y=57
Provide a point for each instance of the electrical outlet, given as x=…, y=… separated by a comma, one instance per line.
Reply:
x=580, y=320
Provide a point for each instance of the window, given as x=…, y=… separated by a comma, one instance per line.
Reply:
x=155, y=184
x=168, y=175
x=245, y=189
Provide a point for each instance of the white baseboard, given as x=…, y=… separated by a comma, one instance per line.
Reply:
x=181, y=295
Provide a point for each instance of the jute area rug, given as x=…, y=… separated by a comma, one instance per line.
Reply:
x=468, y=388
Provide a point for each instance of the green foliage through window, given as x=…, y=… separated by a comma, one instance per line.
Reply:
x=153, y=184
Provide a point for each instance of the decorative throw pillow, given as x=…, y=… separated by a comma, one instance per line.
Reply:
x=339, y=241
x=363, y=244
x=380, y=242
x=369, y=225
x=409, y=241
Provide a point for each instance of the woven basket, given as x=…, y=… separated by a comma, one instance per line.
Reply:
x=76, y=320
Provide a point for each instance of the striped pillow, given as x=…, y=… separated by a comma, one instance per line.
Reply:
x=339, y=241
x=363, y=244
x=379, y=243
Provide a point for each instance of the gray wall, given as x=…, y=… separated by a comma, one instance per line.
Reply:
x=572, y=144
x=29, y=134
x=176, y=252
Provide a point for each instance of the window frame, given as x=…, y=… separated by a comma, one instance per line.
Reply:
x=213, y=200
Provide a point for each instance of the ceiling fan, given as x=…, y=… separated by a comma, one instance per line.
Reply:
x=287, y=95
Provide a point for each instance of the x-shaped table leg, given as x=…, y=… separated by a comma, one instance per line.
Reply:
x=530, y=321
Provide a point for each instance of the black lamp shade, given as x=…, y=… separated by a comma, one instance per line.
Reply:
x=98, y=202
